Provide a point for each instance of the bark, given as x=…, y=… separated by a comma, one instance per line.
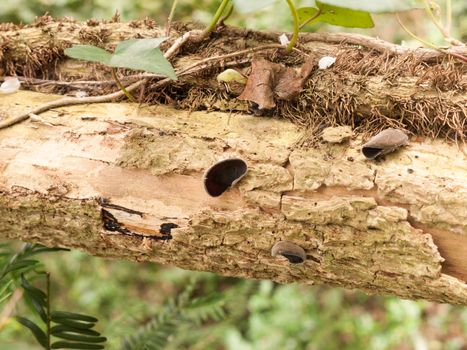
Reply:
x=125, y=182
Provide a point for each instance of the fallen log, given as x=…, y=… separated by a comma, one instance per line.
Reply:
x=125, y=182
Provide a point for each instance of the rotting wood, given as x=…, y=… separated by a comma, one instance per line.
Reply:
x=373, y=84
x=395, y=226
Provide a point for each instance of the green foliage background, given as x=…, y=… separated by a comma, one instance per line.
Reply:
x=256, y=314
x=275, y=17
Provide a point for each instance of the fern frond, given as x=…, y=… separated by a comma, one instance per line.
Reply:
x=181, y=312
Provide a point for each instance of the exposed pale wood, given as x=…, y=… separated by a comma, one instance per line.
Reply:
x=397, y=226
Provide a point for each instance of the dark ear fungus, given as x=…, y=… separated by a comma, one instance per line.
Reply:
x=223, y=175
x=292, y=252
x=385, y=142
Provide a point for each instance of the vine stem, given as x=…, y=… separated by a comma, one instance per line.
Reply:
x=448, y=16
x=442, y=30
x=170, y=18
x=426, y=43
x=216, y=17
x=316, y=15
x=459, y=56
x=47, y=281
x=434, y=19
x=296, y=27
x=121, y=87
x=227, y=15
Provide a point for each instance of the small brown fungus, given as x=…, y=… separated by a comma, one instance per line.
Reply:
x=385, y=142
x=223, y=175
x=292, y=252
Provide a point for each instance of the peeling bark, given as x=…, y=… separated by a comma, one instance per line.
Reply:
x=118, y=181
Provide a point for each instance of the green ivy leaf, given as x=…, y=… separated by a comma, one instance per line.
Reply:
x=338, y=16
x=89, y=53
x=35, y=329
x=245, y=6
x=376, y=6
x=142, y=54
x=139, y=54
x=69, y=345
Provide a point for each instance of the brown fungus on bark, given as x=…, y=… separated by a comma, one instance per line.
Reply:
x=223, y=175
x=292, y=252
x=384, y=142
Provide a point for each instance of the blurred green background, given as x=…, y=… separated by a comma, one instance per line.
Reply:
x=275, y=17
x=255, y=314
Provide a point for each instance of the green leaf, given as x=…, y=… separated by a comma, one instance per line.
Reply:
x=58, y=315
x=32, y=291
x=69, y=345
x=37, y=298
x=35, y=329
x=4, y=296
x=80, y=338
x=42, y=249
x=5, y=291
x=17, y=265
x=89, y=53
x=245, y=6
x=63, y=328
x=138, y=45
x=39, y=309
x=337, y=16
x=142, y=54
x=376, y=6
x=74, y=324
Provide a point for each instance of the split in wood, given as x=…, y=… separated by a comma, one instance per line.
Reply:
x=292, y=252
x=224, y=175
x=384, y=142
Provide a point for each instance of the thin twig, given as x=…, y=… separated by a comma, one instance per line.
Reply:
x=426, y=43
x=177, y=45
x=68, y=101
x=170, y=18
x=454, y=54
x=78, y=83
